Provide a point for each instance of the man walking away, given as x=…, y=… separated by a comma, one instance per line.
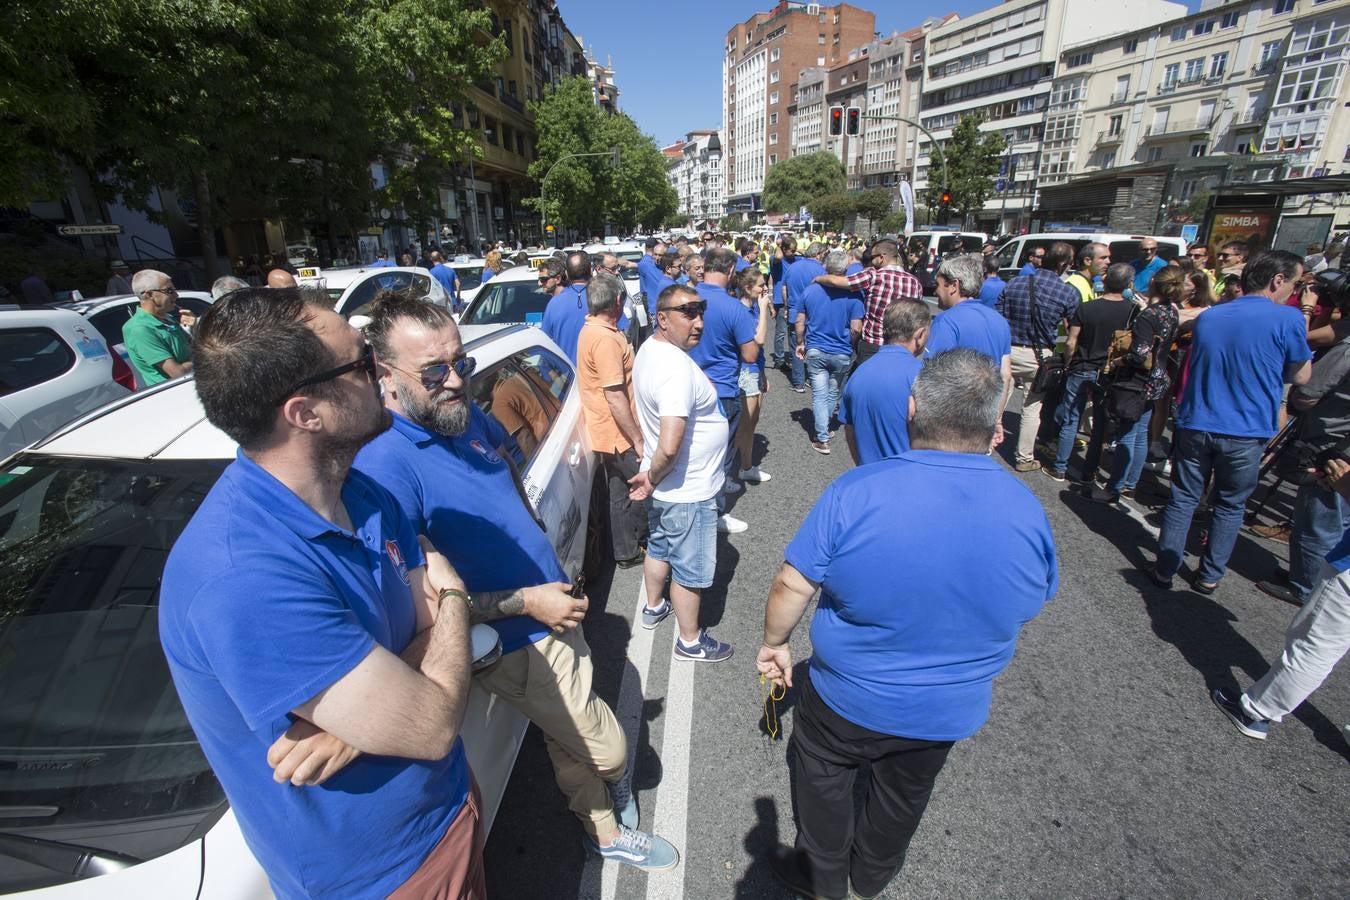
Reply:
x=157, y=344
x=1241, y=355
x=567, y=310
x=605, y=379
x=875, y=408
x=447, y=277
x=446, y=463
x=727, y=341
x=685, y=443
x=884, y=282
x=1034, y=306
x=993, y=285
x=779, y=267
x=829, y=320
x=224, y=284
x=895, y=679
x=324, y=669
x=799, y=277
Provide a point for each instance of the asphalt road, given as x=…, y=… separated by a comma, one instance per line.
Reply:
x=1104, y=769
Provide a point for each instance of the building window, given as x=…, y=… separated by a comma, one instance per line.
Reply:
x=820, y=39
x=1171, y=72
x=520, y=143
x=1198, y=149
x=1283, y=6
x=1130, y=46
x=775, y=53
x=1078, y=59
x=1218, y=64
x=1179, y=33
x=1187, y=190
x=1154, y=154
x=1195, y=70
x=820, y=60
x=773, y=98
x=773, y=158
x=1204, y=27
x=773, y=137
x=1270, y=53
x=1229, y=20
x=773, y=118
x=1114, y=124
x=490, y=130
x=511, y=88
x=773, y=77
x=1122, y=89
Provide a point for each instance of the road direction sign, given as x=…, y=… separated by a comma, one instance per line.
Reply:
x=86, y=230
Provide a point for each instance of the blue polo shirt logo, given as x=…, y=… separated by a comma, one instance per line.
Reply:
x=486, y=452
x=396, y=557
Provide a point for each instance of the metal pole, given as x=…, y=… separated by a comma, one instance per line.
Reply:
x=942, y=157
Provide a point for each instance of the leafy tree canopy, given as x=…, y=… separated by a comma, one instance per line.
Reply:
x=972, y=164
x=832, y=209
x=797, y=180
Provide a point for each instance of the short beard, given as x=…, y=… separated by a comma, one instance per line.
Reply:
x=336, y=451
x=437, y=414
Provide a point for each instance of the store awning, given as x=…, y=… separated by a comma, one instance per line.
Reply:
x=1291, y=187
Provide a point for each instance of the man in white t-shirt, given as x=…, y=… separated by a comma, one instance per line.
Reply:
x=684, y=437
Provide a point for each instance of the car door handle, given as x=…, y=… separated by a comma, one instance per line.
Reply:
x=574, y=454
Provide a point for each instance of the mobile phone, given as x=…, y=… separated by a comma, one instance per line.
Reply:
x=578, y=588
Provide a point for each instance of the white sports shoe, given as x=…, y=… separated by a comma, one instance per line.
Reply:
x=730, y=524
x=754, y=475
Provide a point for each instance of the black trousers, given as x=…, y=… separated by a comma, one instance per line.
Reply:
x=732, y=407
x=833, y=843
x=627, y=519
x=865, y=351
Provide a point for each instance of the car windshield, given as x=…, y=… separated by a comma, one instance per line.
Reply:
x=470, y=277
x=507, y=302
x=95, y=749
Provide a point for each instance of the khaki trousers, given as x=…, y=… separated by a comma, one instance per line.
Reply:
x=1023, y=373
x=549, y=681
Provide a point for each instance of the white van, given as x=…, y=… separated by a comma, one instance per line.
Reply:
x=1012, y=256
x=932, y=246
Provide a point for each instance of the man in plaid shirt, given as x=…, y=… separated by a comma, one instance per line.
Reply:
x=1056, y=302
x=880, y=285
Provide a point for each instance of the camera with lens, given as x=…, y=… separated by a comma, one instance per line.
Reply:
x=1333, y=290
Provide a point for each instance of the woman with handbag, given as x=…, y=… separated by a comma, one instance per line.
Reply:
x=1135, y=382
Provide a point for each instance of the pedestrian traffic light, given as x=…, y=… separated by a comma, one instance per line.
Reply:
x=945, y=201
x=854, y=120
x=836, y=121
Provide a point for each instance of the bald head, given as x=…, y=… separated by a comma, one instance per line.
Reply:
x=280, y=278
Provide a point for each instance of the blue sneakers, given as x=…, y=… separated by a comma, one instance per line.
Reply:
x=1248, y=725
x=638, y=849
x=708, y=649
x=653, y=617
x=625, y=802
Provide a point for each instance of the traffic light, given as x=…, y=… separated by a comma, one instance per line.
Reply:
x=945, y=202
x=854, y=119
x=836, y=121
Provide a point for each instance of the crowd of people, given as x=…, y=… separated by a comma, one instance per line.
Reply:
x=385, y=507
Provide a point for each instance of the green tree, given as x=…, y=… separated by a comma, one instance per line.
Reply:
x=733, y=222
x=639, y=193
x=892, y=223
x=832, y=209
x=874, y=205
x=972, y=163
x=797, y=180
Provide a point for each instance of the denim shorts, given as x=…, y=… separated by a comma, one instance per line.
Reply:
x=748, y=380
x=685, y=536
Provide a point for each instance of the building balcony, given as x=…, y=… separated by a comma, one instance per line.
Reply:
x=1177, y=129
x=1109, y=140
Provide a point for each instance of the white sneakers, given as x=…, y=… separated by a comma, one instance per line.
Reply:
x=754, y=475
x=730, y=524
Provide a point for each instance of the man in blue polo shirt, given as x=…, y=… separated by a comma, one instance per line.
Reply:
x=649, y=270
x=965, y=321
x=779, y=268
x=669, y=267
x=875, y=407
x=447, y=277
x=801, y=276
x=829, y=321
x=896, y=677
x=728, y=341
x=1242, y=354
x=324, y=670
x=567, y=310
x=446, y=463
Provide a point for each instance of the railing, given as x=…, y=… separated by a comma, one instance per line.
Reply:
x=1174, y=128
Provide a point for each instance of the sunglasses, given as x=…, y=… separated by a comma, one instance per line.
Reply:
x=1222, y=255
x=690, y=310
x=545, y=279
x=1148, y=249
x=365, y=363
x=1200, y=255
x=435, y=374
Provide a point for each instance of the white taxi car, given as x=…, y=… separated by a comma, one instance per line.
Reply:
x=353, y=289
x=109, y=314
x=104, y=790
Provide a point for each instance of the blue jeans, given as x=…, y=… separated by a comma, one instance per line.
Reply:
x=781, y=329
x=1077, y=389
x=1236, y=465
x=1131, y=452
x=827, y=371
x=732, y=406
x=1320, y=518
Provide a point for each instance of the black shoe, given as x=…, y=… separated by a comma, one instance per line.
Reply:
x=1279, y=592
x=631, y=561
x=787, y=869
x=1203, y=589
x=1097, y=495
x=1159, y=580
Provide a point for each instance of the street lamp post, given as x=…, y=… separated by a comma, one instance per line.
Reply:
x=942, y=157
x=612, y=153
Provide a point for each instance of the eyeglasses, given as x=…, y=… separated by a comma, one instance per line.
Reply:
x=1223, y=255
x=171, y=291
x=365, y=363
x=545, y=279
x=1202, y=254
x=435, y=374
x=1148, y=249
x=690, y=310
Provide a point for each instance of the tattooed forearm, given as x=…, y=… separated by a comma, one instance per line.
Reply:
x=484, y=606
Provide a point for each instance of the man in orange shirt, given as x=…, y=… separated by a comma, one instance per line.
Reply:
x=605, y=377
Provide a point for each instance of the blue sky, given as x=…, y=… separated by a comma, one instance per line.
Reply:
x=668, y=57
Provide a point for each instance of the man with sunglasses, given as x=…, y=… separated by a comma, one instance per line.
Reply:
x=1232, y=258
x=307, y=640
x=447, y=464
x=1147, y=265
x=1199, y=255
x=155, y=341
x=567, y=311
x=685, y=439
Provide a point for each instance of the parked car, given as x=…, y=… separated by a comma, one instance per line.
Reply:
x=511, y=298
x=353, y=290
x=54, y=367
x=1124, y=247
x=470, y=275
x=109, y=314
x=933, y=245
x=102, y=774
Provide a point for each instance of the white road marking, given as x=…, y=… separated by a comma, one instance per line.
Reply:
x=632, y=691
x=672, y=797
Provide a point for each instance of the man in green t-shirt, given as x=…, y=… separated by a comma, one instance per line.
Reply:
x=158, y=346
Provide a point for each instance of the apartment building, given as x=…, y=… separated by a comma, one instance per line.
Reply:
x=697, y=175
x=806, y=112
x=603, y=89
x=1259, y=84
x=763, y=55
x=1000, y=64
x=894, y=82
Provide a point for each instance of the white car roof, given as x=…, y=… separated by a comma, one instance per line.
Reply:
x=622, y=247
x=515, y=273
x=167, y=421
x=90, y=305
